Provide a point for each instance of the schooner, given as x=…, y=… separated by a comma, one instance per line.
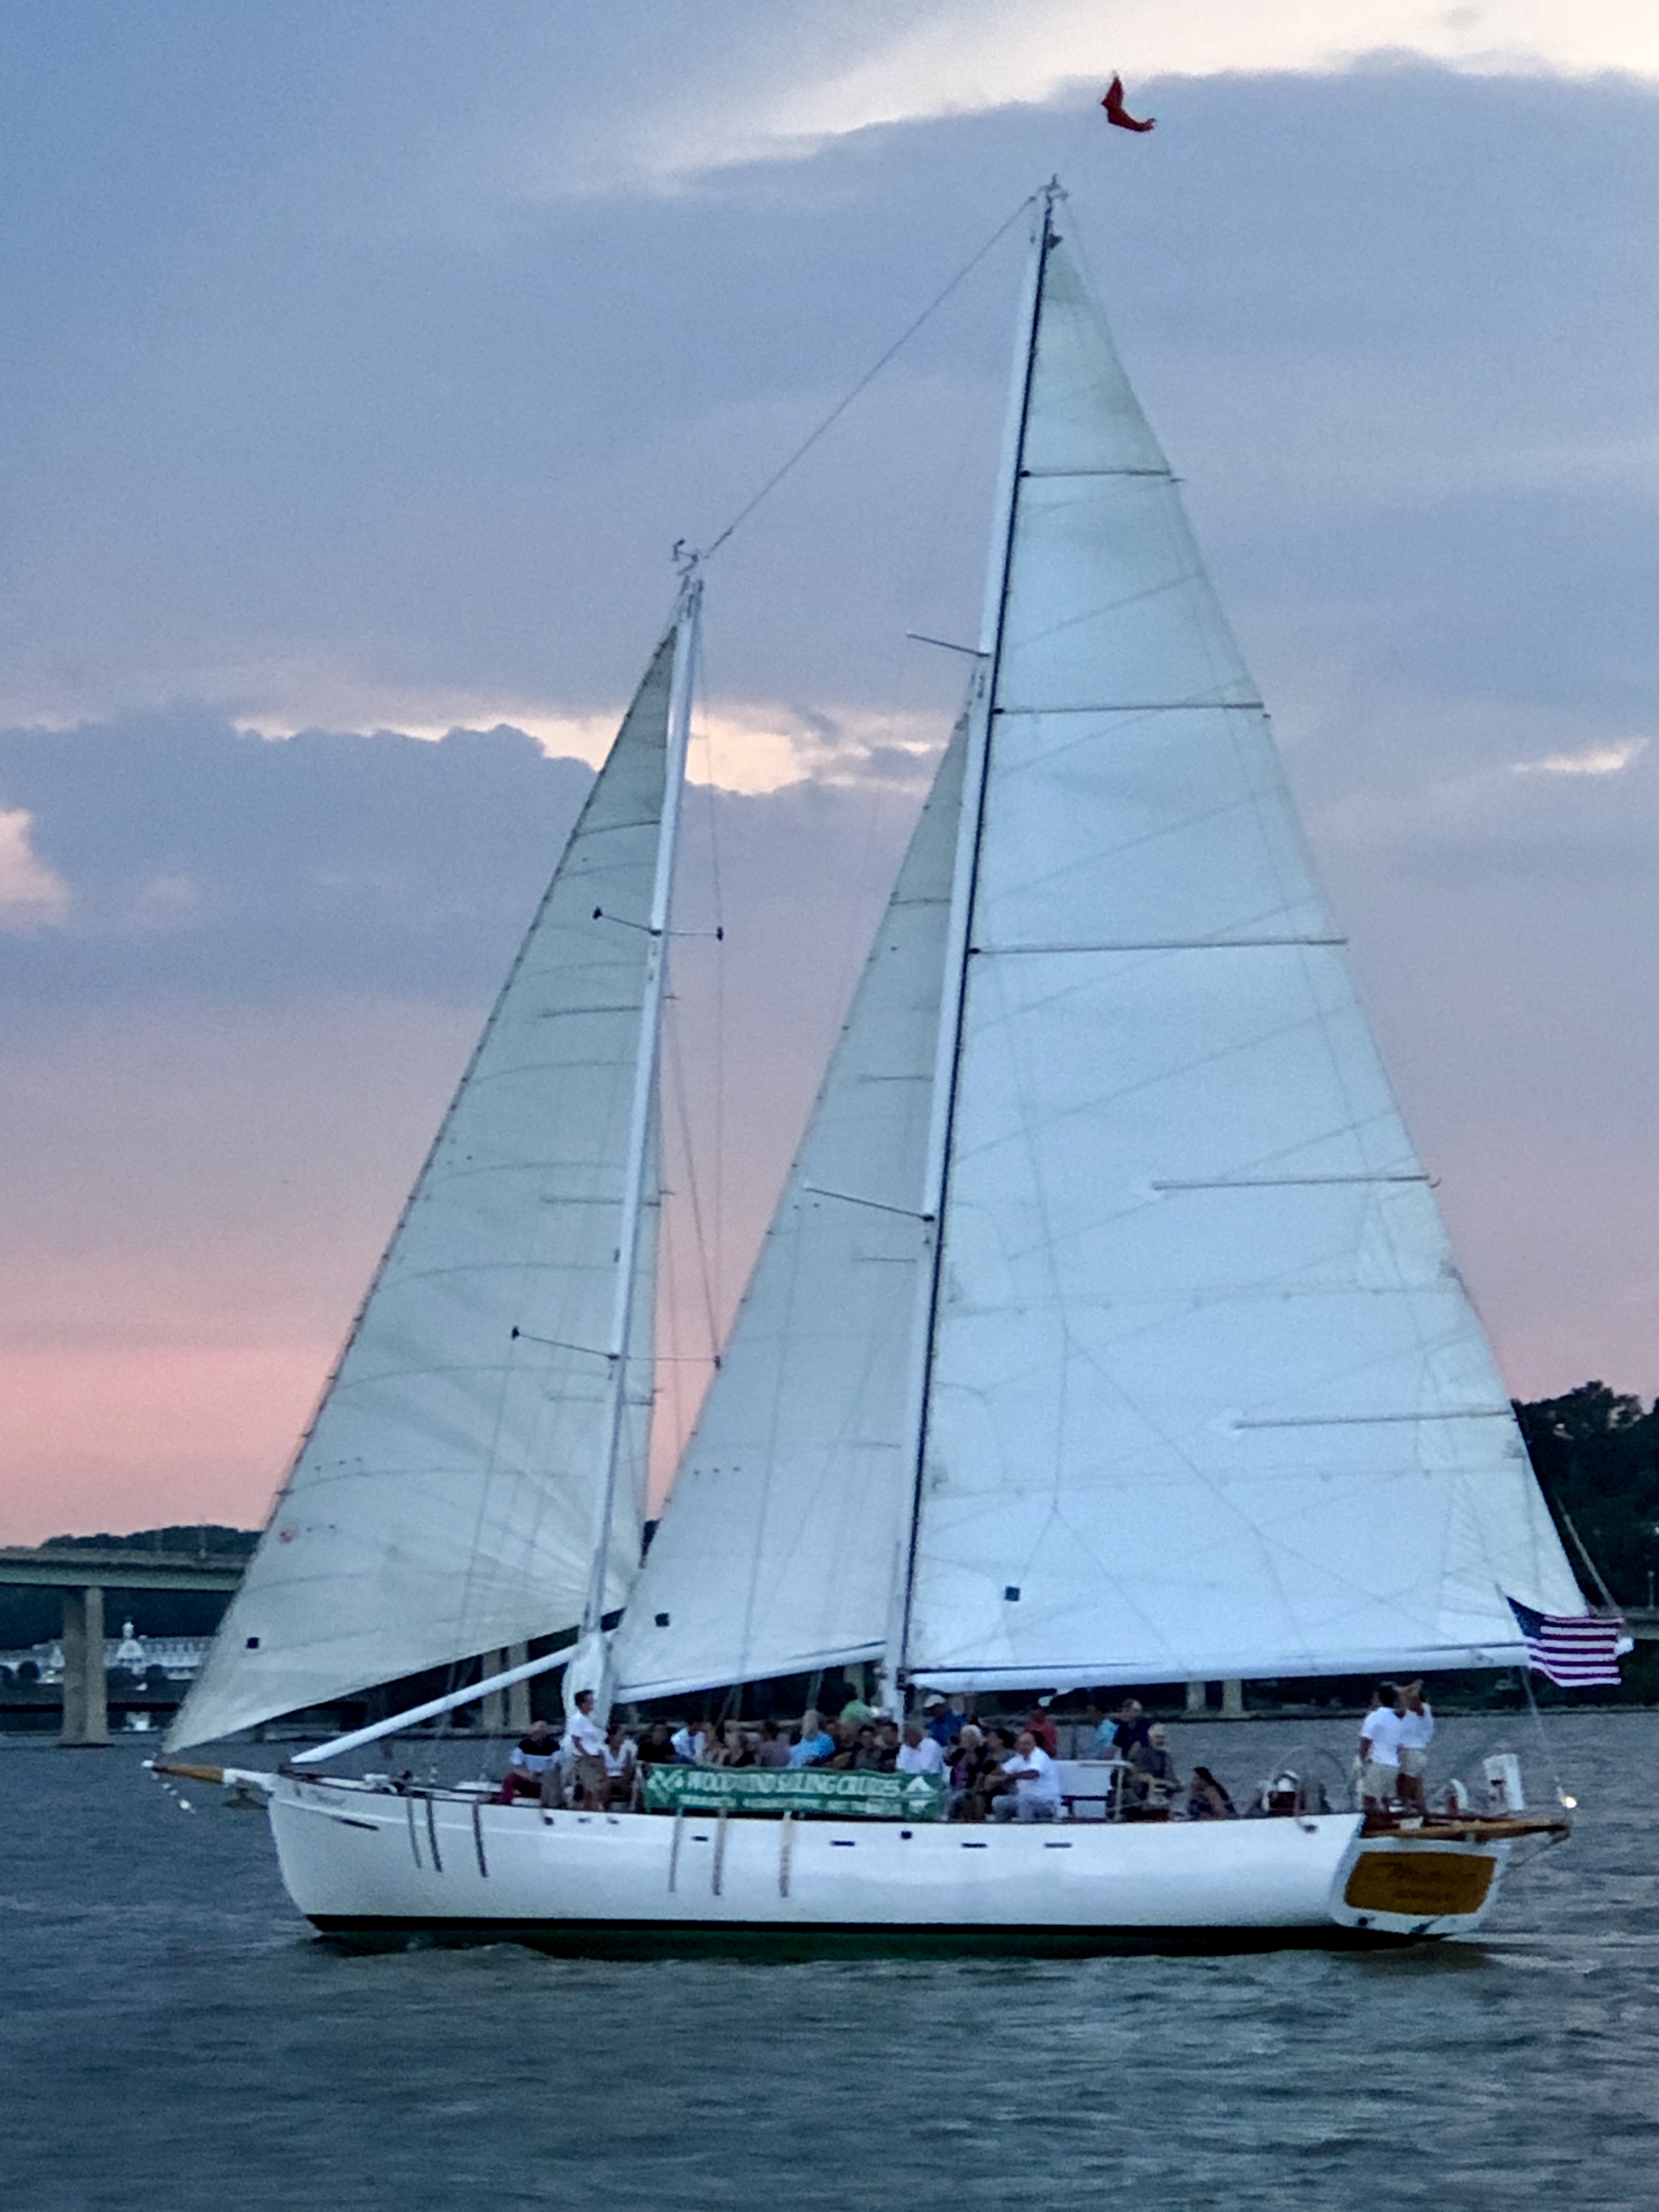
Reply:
x=1106, y=1331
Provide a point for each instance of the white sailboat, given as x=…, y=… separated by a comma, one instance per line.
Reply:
x=1106, y=1332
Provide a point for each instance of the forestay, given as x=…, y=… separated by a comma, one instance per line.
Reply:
x=775, y=1553
x=446, y=1498
x=1207, y=1395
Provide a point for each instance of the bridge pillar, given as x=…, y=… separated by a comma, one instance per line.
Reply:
x=85, y=1710
x=506, y=1712
x=1196, y=1696
x=518, y=1695
x=1232, y=1701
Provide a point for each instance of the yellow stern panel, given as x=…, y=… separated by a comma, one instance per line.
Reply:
x=1420, y=1884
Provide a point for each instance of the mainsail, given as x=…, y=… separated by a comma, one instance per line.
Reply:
x=447, y=1499
x=1206, y=1396
x=776, y=1553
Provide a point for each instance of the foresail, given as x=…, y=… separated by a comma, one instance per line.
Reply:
x=1208, y=1397
x=775, y=1553
x=446, y=1500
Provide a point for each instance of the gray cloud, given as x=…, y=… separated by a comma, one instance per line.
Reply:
x=313, y=413
x=204, y=861
x=1367, y=311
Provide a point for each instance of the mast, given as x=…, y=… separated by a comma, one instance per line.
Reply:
x=642, y=1108
x=960, y=933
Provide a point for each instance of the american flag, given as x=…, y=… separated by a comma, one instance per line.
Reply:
x=1572, y=1648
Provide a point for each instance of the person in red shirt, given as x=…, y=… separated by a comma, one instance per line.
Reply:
x=1041, y=1726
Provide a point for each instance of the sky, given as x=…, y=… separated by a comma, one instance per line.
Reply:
x=362, y=365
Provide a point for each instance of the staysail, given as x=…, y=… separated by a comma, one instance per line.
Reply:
x=1206, y=1396
x=775, y=1554
x=448, y=1498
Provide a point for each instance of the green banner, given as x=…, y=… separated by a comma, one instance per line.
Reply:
x=794, y=1789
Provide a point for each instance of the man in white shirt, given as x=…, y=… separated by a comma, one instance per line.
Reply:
x=1379, y=1749
x=584, y=1751
x=1035, y=1793
x=689, y=1740
x=919, y=1752
x=1416, y=1734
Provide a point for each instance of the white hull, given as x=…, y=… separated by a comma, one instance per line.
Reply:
x=362, y=1862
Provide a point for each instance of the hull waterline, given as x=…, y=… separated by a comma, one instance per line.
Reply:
x=369, y=1866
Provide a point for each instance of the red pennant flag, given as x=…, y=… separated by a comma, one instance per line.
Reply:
x=1117, y=113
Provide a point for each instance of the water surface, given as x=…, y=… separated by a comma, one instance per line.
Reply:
x=176, y=2040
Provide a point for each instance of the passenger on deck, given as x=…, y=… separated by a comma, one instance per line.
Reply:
x=967, y=1757
x=1155, y=1779
x=584, y=1753
x=691, y=1740
x=1040, y=1727
x=847, y=1739
x=1207, y=1800
x=772, y=1750
x=726, y=1749
x=855, y=1712
x=1416, y=1734
x=1036, y=1792
x=919, y=1752
x=867, y=1751
x=815, y=1744
x=942, y=1723
x=1379, y=1749
x=887, y=1743
x=1129, y=1727
x=655, y=1748
x=621, y=1758
x=991, y=1782
x=530, y=1759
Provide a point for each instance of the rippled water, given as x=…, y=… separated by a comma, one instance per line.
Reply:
x=174, y=2038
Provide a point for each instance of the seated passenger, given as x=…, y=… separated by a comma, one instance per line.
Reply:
x=867, y=1751
x=887, y=1743
x=942, y=1723
x=990, y=1782
x=967, y=1756
x=690, y=1739
x=621, y=1758
x=815, y=1744
x=1035, y=1795
x=842, y=1759
x=1042, y=1730
x=919, y=1752
x=1206, y=1800
x=1156, y=1782
x=771, y=1751
x=726, y=1749
x=654, y=1748
x=1130, y=1727
x=530, y=1758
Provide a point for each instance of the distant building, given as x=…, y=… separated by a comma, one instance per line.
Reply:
x=179, y=1657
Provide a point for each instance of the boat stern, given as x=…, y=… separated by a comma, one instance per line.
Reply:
x=1432, y=1878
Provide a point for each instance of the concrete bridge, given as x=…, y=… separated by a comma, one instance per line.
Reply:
x=83, y=1574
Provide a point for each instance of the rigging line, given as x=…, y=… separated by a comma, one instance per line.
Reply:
x=1607, y=1598
x=867, y=378
x=1544, y=1744
x=676, y=1059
